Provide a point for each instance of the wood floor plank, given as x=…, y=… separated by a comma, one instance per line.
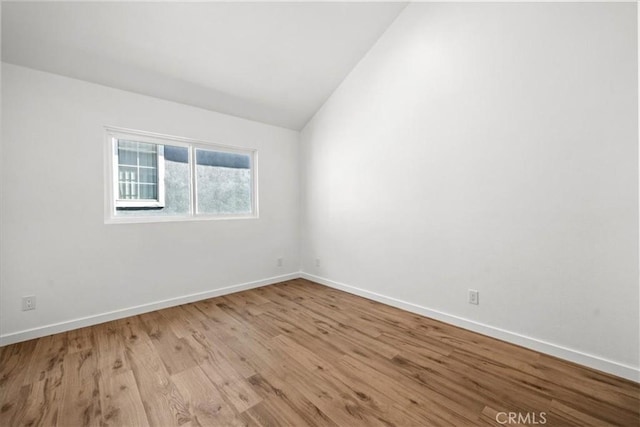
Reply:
x=15, y=410
x=43, y=379
x=508, y=385
x=42, y=402
x=175, y=352
x=287, y=399
x=265, y=415
x=561, y=413
x=110, y=348
x=448, y=410
x=342, y=336
x=80, y=340
x=605, y=387
x=270, y=413
x=180, y=323
x=238, y=322
x=13, y=362
x=205, y=402
x=47, y=358
x=202, y=326
x=162, y=401
x=334, y=401
x=121, y=401
x=379, y=398
x=221, y=372
x=297, y=354
x=319, y=321
x=80, y=405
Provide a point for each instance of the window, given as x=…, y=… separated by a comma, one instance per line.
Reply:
x=157, y=178
x=140, y=174
x=223, y=182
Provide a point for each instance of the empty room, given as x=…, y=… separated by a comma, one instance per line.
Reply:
x=319, y=214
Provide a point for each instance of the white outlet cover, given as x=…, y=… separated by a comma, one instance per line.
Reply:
x=474, y=297
x=29, y=303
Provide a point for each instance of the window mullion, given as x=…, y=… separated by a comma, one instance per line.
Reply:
x=115, y=170
x=136, y=179
x=193, y=186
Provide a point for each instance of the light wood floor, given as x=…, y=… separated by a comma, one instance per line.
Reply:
x=296, y=354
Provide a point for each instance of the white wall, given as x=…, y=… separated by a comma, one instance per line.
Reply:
x=55, y=244
x=493, y=147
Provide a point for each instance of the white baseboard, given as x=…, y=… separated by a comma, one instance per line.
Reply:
x=68, y=325
x=595, y=362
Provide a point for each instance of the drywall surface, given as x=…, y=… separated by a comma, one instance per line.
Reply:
x=490, y=147
x=55, y=244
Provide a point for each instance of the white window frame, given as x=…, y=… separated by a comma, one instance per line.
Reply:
x=113, y=134
x=138, y=203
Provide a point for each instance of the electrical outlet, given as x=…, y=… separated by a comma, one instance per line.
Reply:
x=474, y=297
x=317, y=262
x=29, y=303
x=280, y=262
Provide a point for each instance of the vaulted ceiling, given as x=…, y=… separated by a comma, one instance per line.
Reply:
x=271, y=62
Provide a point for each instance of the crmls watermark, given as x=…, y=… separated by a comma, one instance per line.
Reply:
x=528, y=418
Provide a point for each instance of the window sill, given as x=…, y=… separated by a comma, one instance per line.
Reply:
x=143, y=220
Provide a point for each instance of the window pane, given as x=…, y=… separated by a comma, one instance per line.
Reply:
x=141, y=183
x=145, y=147
x=148, y=191
x=148, y=175
x=123, y=144
x=148, y=159
x=127, y=182
x=177, y=178
x=224, y=183
x=127, y=156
